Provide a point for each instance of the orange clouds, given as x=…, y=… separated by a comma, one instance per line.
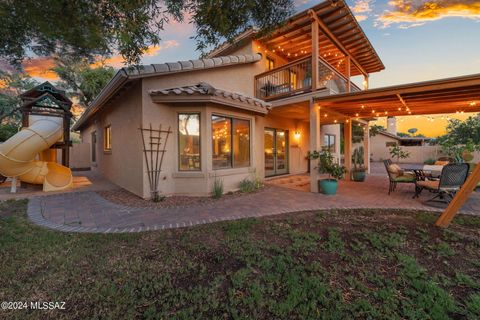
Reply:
x=40, y=68
x=415, y=13
x=361, y=9
x=117, y=61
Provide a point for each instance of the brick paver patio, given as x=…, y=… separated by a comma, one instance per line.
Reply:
x=88, y=212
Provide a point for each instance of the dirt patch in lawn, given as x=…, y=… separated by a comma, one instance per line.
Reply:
x=123, y=197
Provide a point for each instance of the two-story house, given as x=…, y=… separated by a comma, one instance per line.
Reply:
x=246, y=109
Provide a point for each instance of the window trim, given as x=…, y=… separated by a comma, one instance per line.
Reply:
x=199, y=140
x=106, y=138
x=334, y=143
x=231, y=118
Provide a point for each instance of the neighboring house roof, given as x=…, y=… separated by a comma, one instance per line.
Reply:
x=205, y=92
x=128, y=75
x=394, y=136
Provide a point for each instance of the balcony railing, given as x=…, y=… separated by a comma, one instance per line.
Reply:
x=296, y=77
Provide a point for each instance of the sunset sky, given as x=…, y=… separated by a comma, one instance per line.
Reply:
x=416, y=40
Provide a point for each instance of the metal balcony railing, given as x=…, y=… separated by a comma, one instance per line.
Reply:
x=296, y=77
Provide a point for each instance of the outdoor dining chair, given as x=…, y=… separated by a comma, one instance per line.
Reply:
x=451, y=180
x=396, y=175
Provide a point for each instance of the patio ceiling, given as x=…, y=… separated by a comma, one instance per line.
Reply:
x=340, y=35
x=451, y=95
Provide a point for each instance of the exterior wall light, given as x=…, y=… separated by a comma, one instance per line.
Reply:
x=296, y=135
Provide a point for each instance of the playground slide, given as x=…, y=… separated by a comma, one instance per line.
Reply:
x=18, y=155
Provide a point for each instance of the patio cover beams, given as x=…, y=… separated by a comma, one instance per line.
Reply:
x=451, y=95
x=341, y=36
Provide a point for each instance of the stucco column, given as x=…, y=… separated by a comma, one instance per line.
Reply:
x=347, y=135
x=314, y=143
x=366, y=147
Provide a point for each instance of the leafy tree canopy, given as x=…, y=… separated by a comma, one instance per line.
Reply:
x=13, y=84
x=461, y=136
x=81, y=80
x=88, y=29
x=375, y=129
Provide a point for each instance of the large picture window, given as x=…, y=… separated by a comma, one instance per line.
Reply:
x=230, y=142
x=189, y=141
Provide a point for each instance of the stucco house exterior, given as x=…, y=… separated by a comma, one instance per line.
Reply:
x=246, y=109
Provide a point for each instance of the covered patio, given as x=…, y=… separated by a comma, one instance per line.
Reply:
x=443, y=96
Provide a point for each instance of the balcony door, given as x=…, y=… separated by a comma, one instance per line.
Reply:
x=276, y=152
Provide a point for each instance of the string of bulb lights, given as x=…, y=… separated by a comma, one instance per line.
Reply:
x=365, y=112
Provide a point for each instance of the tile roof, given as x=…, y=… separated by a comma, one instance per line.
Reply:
x=128, y=74
x=205, y=89
x=189, y=65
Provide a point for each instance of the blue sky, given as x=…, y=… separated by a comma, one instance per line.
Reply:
x=413, y=48
x=417, y=40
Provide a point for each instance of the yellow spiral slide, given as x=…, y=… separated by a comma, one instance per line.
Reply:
x=18, y=155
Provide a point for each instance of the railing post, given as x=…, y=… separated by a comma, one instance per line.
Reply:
x=315, y=53
x=349, y=83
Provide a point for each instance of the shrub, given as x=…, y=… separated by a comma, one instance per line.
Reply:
x=247, y=185
x=217, y=191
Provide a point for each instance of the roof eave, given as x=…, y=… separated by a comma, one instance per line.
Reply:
x=107, y=92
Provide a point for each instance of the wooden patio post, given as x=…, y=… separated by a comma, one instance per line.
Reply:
x=314, y=143
x=459, y=199
x=366, y=147
x=365, y=82
x=349, y=82
x=347, y=136
x=315, y=52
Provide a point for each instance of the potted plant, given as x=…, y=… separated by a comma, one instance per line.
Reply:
x=326, y=165
x=359, y=170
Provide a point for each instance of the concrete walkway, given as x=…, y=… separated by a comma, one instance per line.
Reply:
x=89, y=212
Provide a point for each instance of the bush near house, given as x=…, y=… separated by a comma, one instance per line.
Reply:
x=360, y=264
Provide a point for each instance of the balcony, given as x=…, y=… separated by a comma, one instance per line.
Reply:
x=296, y=78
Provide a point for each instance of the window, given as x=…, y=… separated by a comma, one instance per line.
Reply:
x=189, y=142
x=107, y=138
x=329, y=143
x=270, y=63
x=230, y=142
x=94, y=146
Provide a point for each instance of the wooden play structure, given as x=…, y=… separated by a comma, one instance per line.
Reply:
x=31, y=154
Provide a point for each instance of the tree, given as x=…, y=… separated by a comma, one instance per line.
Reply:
x=12, y=85
x=81, y=80
x=462, y=137
x=403, y=134
x=399, y=153
x=412, y=131
x=88, y=28
x=376, y=129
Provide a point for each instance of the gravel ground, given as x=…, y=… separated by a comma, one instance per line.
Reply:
x=125, y=198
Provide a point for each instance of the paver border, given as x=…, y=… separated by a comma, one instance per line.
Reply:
x=35, y=215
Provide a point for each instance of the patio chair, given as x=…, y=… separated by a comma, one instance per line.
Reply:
x=396, y=175
x=2, y=179
x=451, y=180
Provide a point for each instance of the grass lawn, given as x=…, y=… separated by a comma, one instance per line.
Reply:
x=332, y=265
